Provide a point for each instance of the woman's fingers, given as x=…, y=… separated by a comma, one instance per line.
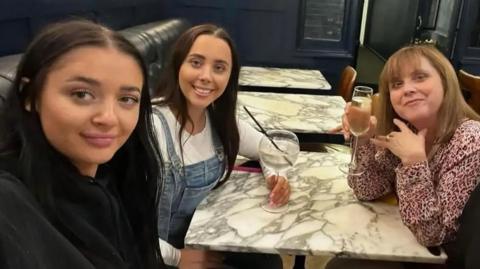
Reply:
x=373, y=122
x=401, y=125
x=271, y=181
x=281, y=192
x=380, y=141
x=345, y=125
x=335, y=130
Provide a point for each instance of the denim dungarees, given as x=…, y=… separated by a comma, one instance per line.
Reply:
x=184, y=187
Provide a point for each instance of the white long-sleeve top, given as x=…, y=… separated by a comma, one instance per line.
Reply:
x=199, y=147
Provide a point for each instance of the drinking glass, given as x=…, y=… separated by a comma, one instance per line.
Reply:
x=278, y=150
x=358, y=120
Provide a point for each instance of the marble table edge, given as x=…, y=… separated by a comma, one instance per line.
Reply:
x=344, y=254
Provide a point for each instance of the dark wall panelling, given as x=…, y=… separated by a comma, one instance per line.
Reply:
x=263, y=32
x=445, y=28
x=204, y=3
x=327, y=50
x=471, y=65
x=38, y=22
x=150, y=11
x=116, y=18
x=60, y=7
x=467, y=49
x=267, y=31
x=106, y=4
x=265, y=5
x=332, y=69
x=262, y=37
x=470, y=60
x=18, y=28
x=475, y=31
x=15, y=9
x=21, y=19
x=198, y=15
x=388, y=30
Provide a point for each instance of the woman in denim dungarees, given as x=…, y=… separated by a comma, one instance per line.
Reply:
x=199, y=138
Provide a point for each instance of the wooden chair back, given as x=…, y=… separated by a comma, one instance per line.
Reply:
x=471, y=84
x=347, y=80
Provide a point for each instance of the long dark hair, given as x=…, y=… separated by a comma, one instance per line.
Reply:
x=222, y=113
x=135, y=165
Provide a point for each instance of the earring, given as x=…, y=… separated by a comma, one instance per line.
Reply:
x=23, y=82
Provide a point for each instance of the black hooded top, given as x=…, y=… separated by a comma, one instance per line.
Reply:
x=94, y=231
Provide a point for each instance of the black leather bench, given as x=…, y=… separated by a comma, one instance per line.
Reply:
x=8, y=66
x=153, y=40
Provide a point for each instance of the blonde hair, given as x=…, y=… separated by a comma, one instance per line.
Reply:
x=453, y=108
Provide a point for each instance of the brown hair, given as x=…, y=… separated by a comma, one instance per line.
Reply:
x=222, y=114
x=453, y=108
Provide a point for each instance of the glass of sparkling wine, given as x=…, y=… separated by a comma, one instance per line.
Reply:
x=278, y=151
x=359, y=121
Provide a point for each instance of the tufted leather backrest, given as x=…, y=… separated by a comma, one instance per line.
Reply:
x=153, y=40
x=8, y=67
x=4, y=86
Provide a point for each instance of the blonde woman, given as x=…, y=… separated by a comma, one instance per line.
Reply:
x=425, y=147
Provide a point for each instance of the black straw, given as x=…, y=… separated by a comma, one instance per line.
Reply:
x=265, y=133
x=261, y=128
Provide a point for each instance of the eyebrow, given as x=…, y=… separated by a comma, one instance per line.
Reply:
x=203, y=57
x=419, y=70
x=87, y=80
x=96, y=83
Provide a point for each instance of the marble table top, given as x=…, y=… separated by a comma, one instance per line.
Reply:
x=323, y=218
x=283, y=78
x=302, y=113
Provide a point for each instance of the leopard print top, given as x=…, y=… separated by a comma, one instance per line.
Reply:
x=431, y=194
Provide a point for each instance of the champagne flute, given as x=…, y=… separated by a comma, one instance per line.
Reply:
x=359, y=121
x=278, y=150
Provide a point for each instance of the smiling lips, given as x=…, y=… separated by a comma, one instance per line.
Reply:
x=99, y=140
x=202, y=91
x=413, y=101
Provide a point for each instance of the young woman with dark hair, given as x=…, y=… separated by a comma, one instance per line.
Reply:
x=199, y=137
x=79, y=174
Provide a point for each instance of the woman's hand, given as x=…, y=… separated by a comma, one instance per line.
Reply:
x=363, y=139
x=406, y=145
x=200, y=259
x=280, y=190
